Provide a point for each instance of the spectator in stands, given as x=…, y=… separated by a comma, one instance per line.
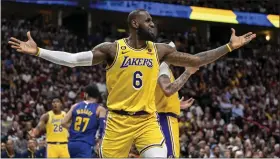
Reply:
x=218, y=121
x=216, y=152
x=5, y=125
x=3, y=146
x=251, y=96
x=31, y=151
x=20, y=142
x=10, y=151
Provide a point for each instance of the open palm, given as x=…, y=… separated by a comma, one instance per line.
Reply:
x=186, y=104
x=28, y=47
x=238, y=41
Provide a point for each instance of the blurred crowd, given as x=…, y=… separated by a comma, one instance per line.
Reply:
x=236, y=113
x=264, y=6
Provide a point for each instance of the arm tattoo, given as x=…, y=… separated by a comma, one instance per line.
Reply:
x=184, y=59
x=171, y=55
x=175, y=86
x=212, y=55
x=179, y=82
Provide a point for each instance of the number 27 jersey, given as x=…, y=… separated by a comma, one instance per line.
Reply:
x=84, y=123
x=131, y=79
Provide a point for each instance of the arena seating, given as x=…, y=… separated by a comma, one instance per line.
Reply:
x=236, y=113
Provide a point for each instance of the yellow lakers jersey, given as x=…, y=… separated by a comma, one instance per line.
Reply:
x=54, y=131
x=167, y=104
x=132, y=77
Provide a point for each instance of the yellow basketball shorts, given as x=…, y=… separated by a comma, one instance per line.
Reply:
x=122, y=131
x=57, y=151
x=170, y=127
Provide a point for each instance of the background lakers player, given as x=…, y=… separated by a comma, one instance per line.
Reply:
x=131, y=78
x=168, y=104
x=56, y=135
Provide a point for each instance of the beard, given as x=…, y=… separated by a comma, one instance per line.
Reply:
x=146, y=34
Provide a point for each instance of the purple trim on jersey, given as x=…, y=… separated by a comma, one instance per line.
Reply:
x=166, y=127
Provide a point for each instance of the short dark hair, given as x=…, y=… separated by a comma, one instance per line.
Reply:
x=92, y=91
x=56, y=97
x=133, y=14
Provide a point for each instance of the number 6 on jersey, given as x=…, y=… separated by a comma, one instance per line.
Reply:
x=137, y=80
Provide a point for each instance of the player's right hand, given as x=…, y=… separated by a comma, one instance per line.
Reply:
x=28, y=47
x=192, y=70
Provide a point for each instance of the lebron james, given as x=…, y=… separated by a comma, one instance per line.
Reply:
x=131, y=78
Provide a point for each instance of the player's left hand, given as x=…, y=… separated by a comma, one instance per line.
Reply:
x=238, y=41
x=98, y=143
x=186, y=104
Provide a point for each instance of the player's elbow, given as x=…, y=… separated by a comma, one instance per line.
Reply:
x=167, y=89
x=72, y=61
x=64, y=123
x=196, y=61
x=167, y=92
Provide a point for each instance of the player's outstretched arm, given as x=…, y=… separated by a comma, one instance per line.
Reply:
x=97, y=55
x=171, y=55
x=66, y=121
x=41, y=125
x=168, y=87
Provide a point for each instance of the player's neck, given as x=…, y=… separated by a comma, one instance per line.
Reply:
x=91, y=100
x=57, y=112
x=134, y=42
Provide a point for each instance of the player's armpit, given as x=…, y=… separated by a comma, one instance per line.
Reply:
x=171, y=55
x=104, y=52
